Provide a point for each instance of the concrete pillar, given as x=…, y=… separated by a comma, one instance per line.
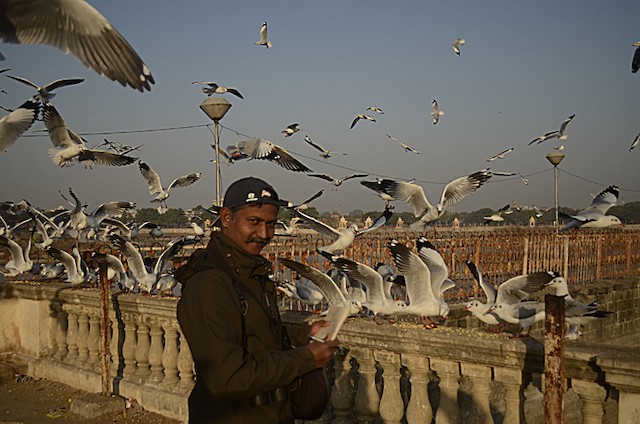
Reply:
x=93, y=341
x=367, y=400
x=592, y=396
x=419, y=408
x=449, y=373
x=61, y=334
x=72, y=336
x=142, y=350
x=129, y=346
x=512, y=381
x=480, y=376
x=155, y=352
x=391, y=404
x=116, y=337
x=83, y=336
x=170, y=354
x=342, y=394
x=185, y=364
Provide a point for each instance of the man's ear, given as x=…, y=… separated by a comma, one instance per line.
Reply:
x=225, y=217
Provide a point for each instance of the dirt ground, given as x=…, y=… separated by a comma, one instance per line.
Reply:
x=29, y=401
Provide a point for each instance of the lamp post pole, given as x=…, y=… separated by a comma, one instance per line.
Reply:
x=215, y=108
x=555, y=158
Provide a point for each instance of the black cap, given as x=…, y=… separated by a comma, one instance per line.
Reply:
x=251, y=191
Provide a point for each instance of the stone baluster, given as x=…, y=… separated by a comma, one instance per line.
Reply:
x=83, y=337
x=142, y=350
x=513, y=382
x=116, y=336
x=61, y=334
x=449, y=374
x=419, y=408
x=185, y=364
x=391, y=404
x=155, y=352
x=367, y=400
x=72, y=336
x=480, y=376
x=93, y=341
x=170, y=354
x=592, y=396
x=342, y=394
x=129, y=346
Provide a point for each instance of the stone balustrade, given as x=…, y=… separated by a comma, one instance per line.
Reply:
x=389, y=373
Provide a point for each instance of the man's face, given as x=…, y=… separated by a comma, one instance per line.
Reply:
x=250, y=227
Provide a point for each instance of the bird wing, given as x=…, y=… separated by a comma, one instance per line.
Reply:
x=317, y=225
x=185, y=180
x=285, y=160
x=112, y=208
x=77, y=27
x=355, y=121
x=462, y=187
x=14, y=248
x=602, y=202
x=264, y=33
x=134, y=258
x=416, y=273
x=323, y=176
x=309, y=200
x=635, y=141
x=316, y=146
x=234, y=92
x=62, y=83
x=152, y=177
x=411, y=194
x=23, y=80
x=348, y=177
x=67, y=260
x=488, y=289
x=105, y=158
x=326, y=285
x=437, y=267
x=164, y=261
x=382, y=219
x=365, y=275
x=209, y=83
x=519, y=288
x=13, y=125
x=635, y=63
x=564, y=124
x=56, y=127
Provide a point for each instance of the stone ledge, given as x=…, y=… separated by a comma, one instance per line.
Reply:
x=93, y=405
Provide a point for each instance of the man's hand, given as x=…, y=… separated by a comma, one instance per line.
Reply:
x=323, y=351
x=317, y=325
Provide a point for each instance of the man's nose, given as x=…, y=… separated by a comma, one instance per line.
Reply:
x=262, y=230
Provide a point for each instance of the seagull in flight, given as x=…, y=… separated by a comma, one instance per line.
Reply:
x=69, y=145
x=359, y=117
x=291, y=129
x=264, y=38
x=500, y=155
x=456, y=45
x=155, y=186
x=16, y=123
x=497, y=217
x=413, y=195
x=337, y=182
x=633, y=145
x=376, y=110
x=75, y=26
x=436, y=112
x=324, y=153
x=404, y=145
x=45, y=91
x=561, y=135
x=258, y=148
x=214, y=88
x=594, y=215
x=635, y=63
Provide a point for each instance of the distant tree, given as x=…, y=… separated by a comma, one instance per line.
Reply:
x=171, y=218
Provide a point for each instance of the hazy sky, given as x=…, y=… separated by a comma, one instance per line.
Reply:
x=525, y=67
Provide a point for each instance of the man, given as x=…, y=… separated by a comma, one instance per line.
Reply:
x=243, y=357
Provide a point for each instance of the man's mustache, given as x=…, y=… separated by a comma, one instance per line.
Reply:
x=258, y=240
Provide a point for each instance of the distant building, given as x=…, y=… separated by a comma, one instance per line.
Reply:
x=342, y=223
x=399, y=223
x=368, y=222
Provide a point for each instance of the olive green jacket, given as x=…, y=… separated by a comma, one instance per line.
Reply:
x=227, y=377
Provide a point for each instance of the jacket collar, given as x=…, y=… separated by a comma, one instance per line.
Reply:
x=243, y=263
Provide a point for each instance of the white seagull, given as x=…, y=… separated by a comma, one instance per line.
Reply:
x=20, y=261
x=456, y=45
x=359, y=117
x=561, y=135
x=291, y=129
x=264, y=37
x=594, y=216
x=436, y=112
x=258, y=148
x=378, y=291
x=155, y=186
x=501, y=155
x=324, y=153
x=74, y=25
x=69, y=145
x=337, y=182
x=45, y=91
x=425, y=283
x=115, y=269
x=497, y=217
x=80, y=220
x=214, y=88
x=404, y=145
x=339, y=307
x=479, y=309
x=342, y=238
x=16, y=123
x=75, y=267
x=413, y=195
x=633, y=145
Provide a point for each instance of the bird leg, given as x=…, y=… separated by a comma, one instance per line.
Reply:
x=427, y=323
x=497, y=329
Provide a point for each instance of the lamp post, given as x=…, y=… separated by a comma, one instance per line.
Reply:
x=216, y=108
x=555, y=158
